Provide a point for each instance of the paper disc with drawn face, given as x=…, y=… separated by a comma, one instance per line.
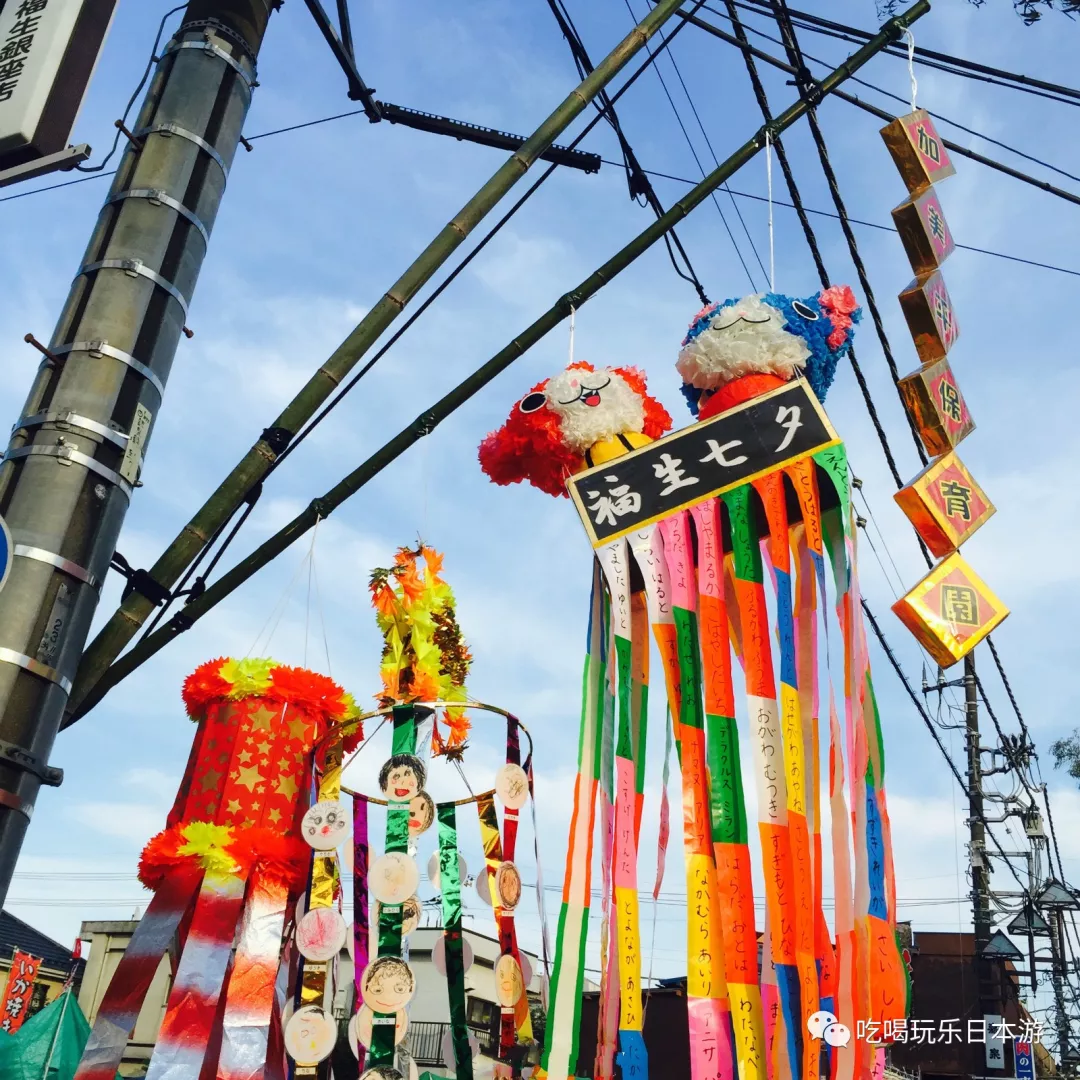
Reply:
x=434, y=870
x=393, y=878
x=388, y=984
x=410, y=915
x=512, y=786
x=438, y=954
x=360, y=1027
x=310, y=1035
x=320, y=934
x=325, y=825
x=402, y=777
x=421, y=813
x=382, y=1072
x=508, y=885
x=509, y=985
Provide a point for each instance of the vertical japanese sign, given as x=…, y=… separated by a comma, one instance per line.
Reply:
x=995, y=1042
x=1024, y=1056
x=20, y=987
x=48, y=50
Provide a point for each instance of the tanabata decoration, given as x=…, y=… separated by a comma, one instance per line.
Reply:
x=684, y=528
x=950, y=611
x=229, y=867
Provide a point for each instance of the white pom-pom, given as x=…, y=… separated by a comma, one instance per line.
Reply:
x=593, y=406
x=744, y=338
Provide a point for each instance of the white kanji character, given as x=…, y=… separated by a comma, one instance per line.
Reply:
x=718, y=453
x=788, y=417
x=673, y=474
x=976, y=1031
x=618, y=502
x=949, y=1031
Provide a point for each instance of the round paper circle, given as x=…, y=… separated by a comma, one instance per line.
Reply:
x=320, y=934
x=382, y=1072
x=434, y=872
x=360, y=1027
x=438, y=954
x=512, y=786
x=545, y=992
x=393, y=877
x=526, y=970
x=448, y=1048
x=410, y=915
x=310, y=1035
x=421, y=813
x=509, y=985
x=325, y=825
x=388, y=984
x=483, y=886
x=508, y=885
x=402, y=777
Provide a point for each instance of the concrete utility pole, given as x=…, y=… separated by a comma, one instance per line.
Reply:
x=74, y=456
x=980, y=867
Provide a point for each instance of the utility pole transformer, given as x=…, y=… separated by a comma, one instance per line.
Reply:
x=75, y=453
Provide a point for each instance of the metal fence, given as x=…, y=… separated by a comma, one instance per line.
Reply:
x=426, y=1042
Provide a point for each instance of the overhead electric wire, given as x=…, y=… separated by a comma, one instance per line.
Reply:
x=708, y=142
x=636, y=177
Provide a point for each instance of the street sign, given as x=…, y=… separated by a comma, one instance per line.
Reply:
x=1025, y=1060
x=48, y=51
x=5, y=552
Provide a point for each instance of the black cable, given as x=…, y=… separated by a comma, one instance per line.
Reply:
x=858, y=221
x=53, y=187
x=926, y=57
x=636, y=177
x=805, y=81
x=921, y=709
x=708, y=143
x=697, y=160
x=138, y=90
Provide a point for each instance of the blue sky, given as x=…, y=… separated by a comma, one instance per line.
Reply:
x=315, y=226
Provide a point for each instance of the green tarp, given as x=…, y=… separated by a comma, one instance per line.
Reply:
x=53, y=1038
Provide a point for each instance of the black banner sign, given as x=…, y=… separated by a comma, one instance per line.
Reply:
x=700, y=462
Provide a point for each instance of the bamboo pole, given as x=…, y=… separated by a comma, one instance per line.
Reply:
x=429, y=420
x=231, y=493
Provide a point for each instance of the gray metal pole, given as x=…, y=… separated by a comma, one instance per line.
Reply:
x=68, y=475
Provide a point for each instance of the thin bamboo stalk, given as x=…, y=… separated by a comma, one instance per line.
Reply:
x=429, y=420
x=230, y=495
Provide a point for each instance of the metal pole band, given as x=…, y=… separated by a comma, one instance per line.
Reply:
x=35, y=667
x=175, y=129
x=68, y=453
x=103, y=348
x=137, y=268
x=25, y=551
x=13, y=802
x=73, y=419
x=214, y=50
x=154, y=195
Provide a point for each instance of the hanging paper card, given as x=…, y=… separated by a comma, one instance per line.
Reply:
x=934, y=402
x=930, y=317
x=917, y=150
x=945, y=505
x=926, y=237
x=700, y=461
x=950, y=611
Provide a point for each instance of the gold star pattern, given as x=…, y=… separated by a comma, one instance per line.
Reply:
x=262, y=718
x=283, y=764
x=211, y=806
x=249, y=776
x=234, y=806
x=298, y=728
x=210, y=779
x=274, y=816
x=245, y=756
x=263, y=748
x=287, y=786
x=256, y=805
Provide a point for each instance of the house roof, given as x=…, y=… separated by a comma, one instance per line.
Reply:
x=16, y=934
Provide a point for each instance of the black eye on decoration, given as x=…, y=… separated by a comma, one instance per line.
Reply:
x=532, y=402
x=805, y=311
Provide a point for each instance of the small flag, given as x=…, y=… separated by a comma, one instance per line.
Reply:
x=77, y=951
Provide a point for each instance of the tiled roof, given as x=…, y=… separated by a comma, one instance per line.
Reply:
x=15, y=934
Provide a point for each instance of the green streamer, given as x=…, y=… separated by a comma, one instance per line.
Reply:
x=450, y=883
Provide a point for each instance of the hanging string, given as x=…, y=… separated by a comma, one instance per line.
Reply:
x=911, y=66
x=278, y=611
x=322, y=613
x=768, y=177
x=572, y=333
x=310, y=569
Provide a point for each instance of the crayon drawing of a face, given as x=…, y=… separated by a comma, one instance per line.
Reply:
x=393, y=878
x=509, y=985
x=421, y=813
x=310, y=1035
x=325, y=825
x=402, y=777
x=512, y=786
x=508, y=885
x=388, y=985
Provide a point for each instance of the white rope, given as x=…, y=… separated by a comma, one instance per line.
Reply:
x=768, y=175
x=911, y=66
x=571, y=333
